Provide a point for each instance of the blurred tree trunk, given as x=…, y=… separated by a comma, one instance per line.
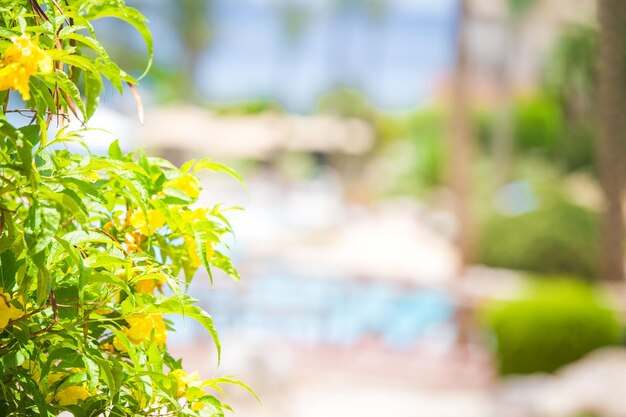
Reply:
x=462, y=142
x=504, y=130
x=612, y=133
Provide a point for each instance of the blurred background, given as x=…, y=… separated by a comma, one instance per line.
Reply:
x=433, y=221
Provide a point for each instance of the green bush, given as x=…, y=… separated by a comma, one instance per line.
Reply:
x=556, y=323
x=544, y=127
x=538, y=125
x=541, y=127
x=559, y=239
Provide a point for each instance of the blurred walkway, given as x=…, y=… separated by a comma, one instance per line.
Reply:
x=367, y=382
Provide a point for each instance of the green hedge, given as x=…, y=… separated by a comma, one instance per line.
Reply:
x=555, y=324
x=559, y=239
x=542, y=128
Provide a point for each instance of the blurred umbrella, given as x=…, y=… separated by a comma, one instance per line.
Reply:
x=256, y=136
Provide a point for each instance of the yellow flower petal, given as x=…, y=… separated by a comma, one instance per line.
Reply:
x=184, y=380
x=191, y=216
x=7, y=311
x=193, y=252
x=23, y=59
x=155, y=221
x=117, y=344
x=146, y=286
x=72, y=395
x=142, y=326
x=188, y=184
x=197, y=406
x=209, y=250
x=181, y=380
x=55, y=377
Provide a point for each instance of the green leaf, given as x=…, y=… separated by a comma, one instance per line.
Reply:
x=182, y=305
x=175, y=196
x=73, y=379
x=233, y=381
x=92, y=88
x=88, y=41
x=66, y=85
x=224, y=263
x=135, y=19
x=31, y=387
x=19, y=143
x=74, y=60
x=67, y=297
x=8, y=269
x=101, y=278
x=208, y=164
x=40, y=227
x=80, y=237
x=115, y=152
x=112, y=373
x=93, y=372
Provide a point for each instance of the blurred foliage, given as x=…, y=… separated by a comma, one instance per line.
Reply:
x=570, y=73
x=418, y=140
x=192, y=18
x=519, y=8
x=248, y=108
x=570, y=80
x=542, y=127
x=538, y=124
x=347, y=102
x=560, y=238
x=294, y=17
x=416, y=145
x=557, y=322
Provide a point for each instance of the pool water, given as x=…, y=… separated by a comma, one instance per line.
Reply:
x=325, y=312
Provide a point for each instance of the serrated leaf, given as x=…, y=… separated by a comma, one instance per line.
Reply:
x=181, y=305
x=135, y=19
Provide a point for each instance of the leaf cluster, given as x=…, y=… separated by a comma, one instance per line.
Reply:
x=95, y=251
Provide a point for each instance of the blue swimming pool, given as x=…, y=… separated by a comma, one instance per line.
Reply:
x=321, y=311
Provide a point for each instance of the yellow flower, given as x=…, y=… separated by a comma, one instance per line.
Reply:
x=117, y=344
x=196, y=261
x=197, y=406
x=209, y=250
x=7, y=311
x=188, y=184
x=155, y=221
x=140, y=328
x=55, y=377
x=32, y=367
x=141, y=398
x=184, y=380
x=107, y=346
x=181, y=380
x=72, y=395
x=191, y=216
x=19, y=62
x=193, y=252
x=133, y=241
x=146, y=286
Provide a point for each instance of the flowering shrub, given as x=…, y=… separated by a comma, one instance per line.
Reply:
x=95, y=251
